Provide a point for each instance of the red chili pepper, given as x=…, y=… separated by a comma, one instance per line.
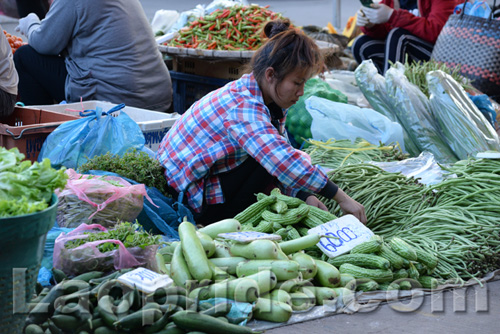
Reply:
x=212, y=27
x=225, y=13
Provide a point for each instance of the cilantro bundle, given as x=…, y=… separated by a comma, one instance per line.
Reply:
x=134, y=165
x=130, y=234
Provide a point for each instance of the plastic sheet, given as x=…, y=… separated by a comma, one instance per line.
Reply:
x=463, y=125
x=413, y=110
x=366, y=301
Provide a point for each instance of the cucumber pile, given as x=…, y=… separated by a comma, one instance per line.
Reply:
x=94, y=303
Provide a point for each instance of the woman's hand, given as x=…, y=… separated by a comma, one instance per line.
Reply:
x=314, y=201
x=350, y=206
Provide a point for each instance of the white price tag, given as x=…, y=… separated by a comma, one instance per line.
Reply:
x=249, y=236
x=145, y=280
x=349, y=231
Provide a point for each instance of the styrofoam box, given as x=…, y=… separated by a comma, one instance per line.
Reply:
x=153, y=124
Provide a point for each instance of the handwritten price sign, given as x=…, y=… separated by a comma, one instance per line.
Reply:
x=346, y=232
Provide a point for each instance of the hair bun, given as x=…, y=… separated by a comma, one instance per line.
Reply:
x=275, y=27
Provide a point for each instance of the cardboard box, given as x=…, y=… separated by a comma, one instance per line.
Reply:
x=27, y=129
x=222, y=68
x=154, y=124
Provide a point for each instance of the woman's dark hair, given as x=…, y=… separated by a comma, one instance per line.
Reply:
x=286, y=50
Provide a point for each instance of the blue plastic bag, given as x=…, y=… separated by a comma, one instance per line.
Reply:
x=475, y=8
x=483, y=103
x=165, y=217
x=74, y=142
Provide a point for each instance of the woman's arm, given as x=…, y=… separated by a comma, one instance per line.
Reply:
x=55, y=31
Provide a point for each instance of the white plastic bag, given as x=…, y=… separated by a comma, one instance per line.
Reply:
x=344, y=121
x=163, y=21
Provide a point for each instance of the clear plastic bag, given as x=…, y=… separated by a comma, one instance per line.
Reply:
x=464, y=126
x=98, y=199
x=344, y=121
x=423, y=167
x=372, y=84
x=413, y=110
x=87, y=257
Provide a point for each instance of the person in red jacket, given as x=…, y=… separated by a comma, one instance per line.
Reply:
x=396, y=29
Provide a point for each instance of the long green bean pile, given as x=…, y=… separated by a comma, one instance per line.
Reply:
x=457, y=219
x=335, y=153
x=387, y=197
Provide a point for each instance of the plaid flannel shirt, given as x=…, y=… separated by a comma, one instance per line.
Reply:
x=219, y=132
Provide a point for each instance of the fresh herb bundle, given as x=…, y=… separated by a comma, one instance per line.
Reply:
x=131, y=235
x=416, y=73
x=336, y=153
x=134, y=165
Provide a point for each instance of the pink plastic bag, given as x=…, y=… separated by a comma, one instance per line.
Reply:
x=98, y=199
x=87, y=257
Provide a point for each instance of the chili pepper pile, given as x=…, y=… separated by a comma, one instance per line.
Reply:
x=236, y=28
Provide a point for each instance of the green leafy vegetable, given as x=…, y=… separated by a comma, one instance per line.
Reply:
x=26, y=187
x=131, y=235
x=134, y=165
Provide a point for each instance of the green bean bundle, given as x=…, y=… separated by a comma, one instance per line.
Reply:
x=387, y=197
x=335, y=153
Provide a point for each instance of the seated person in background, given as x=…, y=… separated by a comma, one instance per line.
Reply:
x=92, y=50
x=395, y=30
x=8, y=77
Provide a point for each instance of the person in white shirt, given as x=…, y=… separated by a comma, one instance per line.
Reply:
x=8, y=77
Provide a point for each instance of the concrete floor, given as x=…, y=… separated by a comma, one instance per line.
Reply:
x=460, y=311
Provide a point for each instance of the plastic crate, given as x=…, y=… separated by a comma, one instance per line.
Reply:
x=189, y=88
x=27, y=129
x=154, y=124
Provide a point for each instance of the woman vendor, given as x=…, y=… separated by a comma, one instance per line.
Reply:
x=232, y=143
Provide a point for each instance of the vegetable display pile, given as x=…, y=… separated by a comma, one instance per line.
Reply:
x=456, y=219
x=236, y=28
x=387, y=197
x=15, y=42
x=26, y=187
x=133, y=165
x=416, y=73
x=129, y=234
x=336, y=153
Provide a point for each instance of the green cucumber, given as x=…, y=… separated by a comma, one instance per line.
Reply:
x=257, y=249
x=194, y=254
x=327, y=274
x=283, y=269
x=292, y=246
x=223, y=226
x=227, y=264
x=207, y=242
x=307, y=265
x=272, y=310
